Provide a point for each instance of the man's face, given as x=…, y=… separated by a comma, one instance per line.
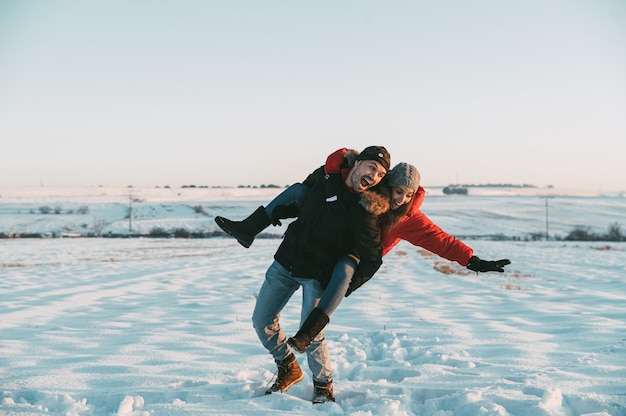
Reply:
x=365, y=174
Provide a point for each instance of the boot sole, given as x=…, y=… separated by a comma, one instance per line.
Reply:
x=270, y=391
x=294, y=382
x=220, y=222
x=322, y=401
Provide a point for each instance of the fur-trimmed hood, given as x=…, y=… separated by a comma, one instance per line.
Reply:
x=351, y=156
x=341, y=158
x=376, y=200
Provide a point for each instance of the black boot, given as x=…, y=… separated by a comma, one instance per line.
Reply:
x=245, y=231
x=289, y=373
x=323, y=392
x=313, y=325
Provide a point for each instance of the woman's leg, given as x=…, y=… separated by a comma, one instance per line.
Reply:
x=286, y=205
x=312, y=326
x=340, y=280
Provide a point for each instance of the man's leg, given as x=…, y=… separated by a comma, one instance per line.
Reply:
x=318, y=357
x=276, y=290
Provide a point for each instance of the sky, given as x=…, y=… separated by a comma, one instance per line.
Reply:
x=173, y=93
x=151, y=327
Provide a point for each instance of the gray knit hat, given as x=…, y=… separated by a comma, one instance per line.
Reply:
x=404, y=174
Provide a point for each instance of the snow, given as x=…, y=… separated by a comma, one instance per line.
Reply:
x=161, y=326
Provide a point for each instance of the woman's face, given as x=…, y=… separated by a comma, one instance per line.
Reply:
x=400, y=195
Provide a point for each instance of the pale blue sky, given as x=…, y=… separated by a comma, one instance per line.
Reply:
x=154, y=93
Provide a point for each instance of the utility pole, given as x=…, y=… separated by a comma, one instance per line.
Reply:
x=547, y=234
x=130, y=194
x=547, y=229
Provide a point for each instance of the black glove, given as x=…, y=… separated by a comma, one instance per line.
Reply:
x=358, y=280
x=355, y=284
x=281, y=212
x=479, y=265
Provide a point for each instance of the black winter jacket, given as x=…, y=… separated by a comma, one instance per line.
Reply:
x=333, y=222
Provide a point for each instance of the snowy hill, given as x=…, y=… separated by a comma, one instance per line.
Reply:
x=97, y=211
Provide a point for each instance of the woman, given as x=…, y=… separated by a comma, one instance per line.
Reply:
x=403, y=221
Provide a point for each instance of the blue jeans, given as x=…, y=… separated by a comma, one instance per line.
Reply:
x=278, y=287
x=338, y=285
x=344, y=269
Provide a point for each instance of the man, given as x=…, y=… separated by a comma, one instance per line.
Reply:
x=338, y=217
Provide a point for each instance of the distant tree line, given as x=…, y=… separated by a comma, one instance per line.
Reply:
x=45, y=209
x=582, y=233
x=579, y=233
x=614, y=233
x=498, y=185
x=239, y=186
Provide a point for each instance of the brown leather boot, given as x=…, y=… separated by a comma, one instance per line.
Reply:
x=323, y=392
x=289, y=373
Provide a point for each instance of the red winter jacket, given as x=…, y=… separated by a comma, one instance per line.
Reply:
x=415, y=227
x=419, y=230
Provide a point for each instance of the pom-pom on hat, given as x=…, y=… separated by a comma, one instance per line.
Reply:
x=404, y=174
x=377, y=153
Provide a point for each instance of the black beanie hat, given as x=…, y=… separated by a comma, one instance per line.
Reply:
x=377, y=153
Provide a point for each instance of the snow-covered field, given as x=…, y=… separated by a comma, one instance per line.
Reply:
x=141, y=326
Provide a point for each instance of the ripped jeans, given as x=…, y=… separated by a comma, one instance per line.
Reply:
x=277, y=288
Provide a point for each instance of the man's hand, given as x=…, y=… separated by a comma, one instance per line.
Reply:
x=479, y=265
